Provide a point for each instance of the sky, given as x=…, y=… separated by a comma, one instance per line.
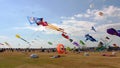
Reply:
x=76, y=17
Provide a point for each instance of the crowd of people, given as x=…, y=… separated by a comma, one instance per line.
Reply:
x=90, y=49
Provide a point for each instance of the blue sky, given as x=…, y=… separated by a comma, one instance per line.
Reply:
x=75, y=16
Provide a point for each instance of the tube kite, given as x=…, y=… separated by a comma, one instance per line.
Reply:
x=60, y=48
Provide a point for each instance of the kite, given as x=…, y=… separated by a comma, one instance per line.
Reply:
x=32, y=20
x=112, y=31
x=39, y=21
x=68, y=48
x=65, y=36
x=100, y=44
x=70, y=40
x=107, y=37
x=7, y=44
x=93, y=29
x=115, y=45
x=88, y=37
x=18, y=36
x=50, y=43
x=75, y=43
x=101, y=13
x=60, y=48
x=81, y=42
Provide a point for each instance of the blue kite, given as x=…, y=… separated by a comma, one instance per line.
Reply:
x=88, y=37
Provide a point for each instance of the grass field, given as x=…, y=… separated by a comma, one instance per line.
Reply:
x=70, y=60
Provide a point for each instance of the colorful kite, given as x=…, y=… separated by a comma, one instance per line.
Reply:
x=60, y=48
x=39, y=21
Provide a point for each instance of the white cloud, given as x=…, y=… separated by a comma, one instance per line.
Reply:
x=8, y=40
x=106, y=26
x=76, y=23
x=40, y=28
x=108, y=12
x=78, y=15
x=73, y=17
x=76, y=27
x=86, y=15
x=112, y=11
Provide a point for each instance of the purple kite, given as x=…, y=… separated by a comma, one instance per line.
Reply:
x=112, y=31
x=75, y=43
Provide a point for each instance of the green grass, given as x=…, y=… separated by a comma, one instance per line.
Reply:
x=70, y=60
